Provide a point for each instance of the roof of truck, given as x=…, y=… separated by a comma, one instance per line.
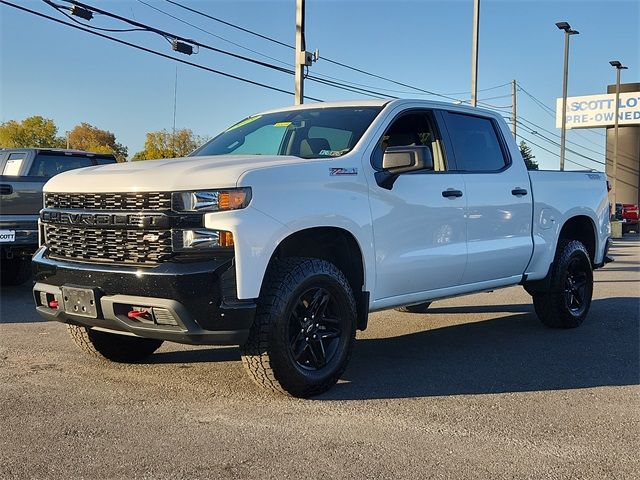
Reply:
x=380, y=103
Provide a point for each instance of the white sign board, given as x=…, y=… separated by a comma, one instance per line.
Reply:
x=599, y=110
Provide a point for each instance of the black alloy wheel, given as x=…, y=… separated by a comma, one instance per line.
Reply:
x=565, y=301
x=314, y=329
x=575, y=289
x=305, y=327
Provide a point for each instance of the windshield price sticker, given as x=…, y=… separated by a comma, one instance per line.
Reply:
x=7, y=236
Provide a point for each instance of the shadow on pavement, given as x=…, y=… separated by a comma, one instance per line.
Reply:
x=16, y=304
x=508, y=354
x=207, y=355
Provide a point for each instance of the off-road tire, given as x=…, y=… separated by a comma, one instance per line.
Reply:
x=112, y=346
x=553, y=306
x=417, y=308
x=267, y=354
x=15, y=271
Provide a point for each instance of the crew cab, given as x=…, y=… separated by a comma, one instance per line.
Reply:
x=24, y=171
x=282, y=233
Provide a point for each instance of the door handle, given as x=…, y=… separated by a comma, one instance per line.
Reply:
x=451, y=193
x=519, y=192
x=6, y=189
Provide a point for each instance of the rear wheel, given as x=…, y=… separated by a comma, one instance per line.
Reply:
x=417, y=308
x=15, y=271
x=112, y=346
x=566, y=302
x=303, y=334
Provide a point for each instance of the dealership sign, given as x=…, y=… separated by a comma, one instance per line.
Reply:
x=599, y=110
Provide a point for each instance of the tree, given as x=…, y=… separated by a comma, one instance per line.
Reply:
x=528, y=156
x=165, y=144
x=92, y=139
x=35, y=132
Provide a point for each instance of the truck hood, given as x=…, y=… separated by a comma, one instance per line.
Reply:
x=188, y=173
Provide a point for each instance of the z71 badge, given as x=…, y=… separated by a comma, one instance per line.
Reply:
x=343, y=171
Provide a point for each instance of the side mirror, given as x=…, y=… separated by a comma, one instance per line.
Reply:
x=397, y=160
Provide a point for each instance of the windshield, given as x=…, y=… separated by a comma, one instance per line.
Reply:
x=312, y=133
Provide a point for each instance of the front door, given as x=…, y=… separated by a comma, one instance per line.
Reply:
x=419, y=225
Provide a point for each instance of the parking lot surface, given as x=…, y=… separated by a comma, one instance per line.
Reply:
x=476, y=388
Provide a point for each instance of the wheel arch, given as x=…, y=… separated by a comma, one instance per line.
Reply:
x=336, y=245
x=578, y=227
x=583, y=229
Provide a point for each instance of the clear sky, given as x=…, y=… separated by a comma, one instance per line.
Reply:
x=72, y=76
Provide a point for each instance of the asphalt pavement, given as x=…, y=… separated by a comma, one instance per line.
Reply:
x=476, y=388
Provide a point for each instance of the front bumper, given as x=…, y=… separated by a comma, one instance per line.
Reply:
x=191, y=302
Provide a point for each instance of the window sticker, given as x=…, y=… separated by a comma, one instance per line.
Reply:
x=282, y=124
x=244, y=122
x=331, y=153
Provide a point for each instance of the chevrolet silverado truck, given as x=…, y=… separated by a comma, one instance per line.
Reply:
x=24, y=171
x=282, y=233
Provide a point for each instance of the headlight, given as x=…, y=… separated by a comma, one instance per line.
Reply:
x=201, y=239
x=211, y=200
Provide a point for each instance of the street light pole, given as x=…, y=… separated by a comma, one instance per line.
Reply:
x=614, y=171
x=568, y=31
x=474, y=52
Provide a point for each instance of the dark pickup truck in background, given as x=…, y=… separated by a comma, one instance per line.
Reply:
x=23, y=173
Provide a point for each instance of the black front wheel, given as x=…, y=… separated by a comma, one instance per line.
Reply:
x=303, y=334
x=566, y=302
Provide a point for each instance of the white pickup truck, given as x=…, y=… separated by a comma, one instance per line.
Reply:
x=282, y=233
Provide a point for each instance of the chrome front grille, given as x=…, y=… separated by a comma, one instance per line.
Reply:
x=108, y=245
x=109, y=201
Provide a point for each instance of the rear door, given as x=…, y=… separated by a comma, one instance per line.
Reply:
x=499, y=199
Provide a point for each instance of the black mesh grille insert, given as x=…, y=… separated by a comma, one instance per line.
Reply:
x=108, y=245
x=109, y=201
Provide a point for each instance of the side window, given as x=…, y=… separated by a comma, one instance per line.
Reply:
x=47, y=165
x=336, y=139
x=475, y=143
x=412, y=129
x=14, y=164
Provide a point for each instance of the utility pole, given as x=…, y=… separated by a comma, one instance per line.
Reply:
x=513, y=109
x=300, y=55
x=474, y=53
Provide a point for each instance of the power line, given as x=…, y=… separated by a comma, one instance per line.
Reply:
x=547, y=108
x=480, y=90
x=556, y=135
x=60, y=9
x=168, y=35
x=361, y=91
x=211, y=33
x=553, y=153
x=139, y=47
x=530, y=130
x=364, y=72
x=329, y=60
x=229, y=24
x=336, y=80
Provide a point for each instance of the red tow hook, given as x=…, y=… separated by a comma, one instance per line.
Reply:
x=53, y=304
x=134, y=314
